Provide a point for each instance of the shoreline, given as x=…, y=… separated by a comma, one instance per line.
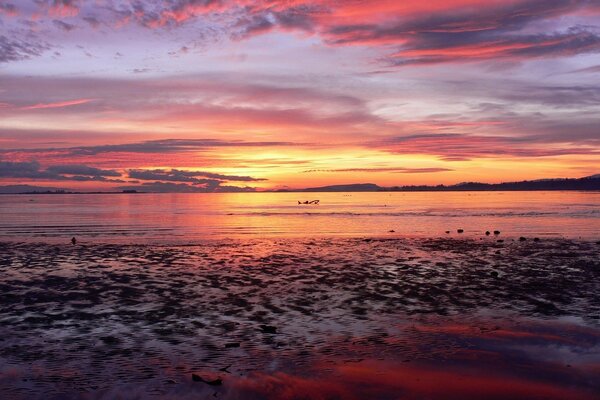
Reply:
x=220, y=238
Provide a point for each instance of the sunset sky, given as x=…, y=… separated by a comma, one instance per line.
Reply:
x=218, y=95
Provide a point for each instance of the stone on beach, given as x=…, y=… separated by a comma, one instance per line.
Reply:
x=211, y=382
x=268, y=329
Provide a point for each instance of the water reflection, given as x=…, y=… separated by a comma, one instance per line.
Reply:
x=186, y=217
x=491, y=359
x=528, y=360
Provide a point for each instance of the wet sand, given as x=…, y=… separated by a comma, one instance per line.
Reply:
x=301, y=319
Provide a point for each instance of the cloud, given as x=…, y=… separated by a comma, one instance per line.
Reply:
x=432, y=33
x=64, y=8
x=176, y=175
x=592, y=69
x=15, y=49
x=391, y=169
x=8, y=9
x=27, y=169
x=169, y=187
x=261, y=18
x=166, y=13
x=167, y=146
x=93, y=21
x=162, y=180
x=463, y=147
x=33, y=170
x=63, y=25
x=59, y=104
x=573, y=42
x=421, y=32
x=485, y=32
x=81, y=170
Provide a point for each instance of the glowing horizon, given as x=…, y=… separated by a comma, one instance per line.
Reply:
x=218, y=95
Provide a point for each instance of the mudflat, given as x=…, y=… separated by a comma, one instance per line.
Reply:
x=339, y=318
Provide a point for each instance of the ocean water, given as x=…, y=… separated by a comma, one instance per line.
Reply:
x=181, y=218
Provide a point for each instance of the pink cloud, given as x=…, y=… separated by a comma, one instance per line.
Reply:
x=59, y=104
x=64, y=8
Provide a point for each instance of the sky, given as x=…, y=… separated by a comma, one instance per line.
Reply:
x=220, y=95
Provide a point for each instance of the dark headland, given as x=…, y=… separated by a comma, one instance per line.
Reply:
x=585, y=183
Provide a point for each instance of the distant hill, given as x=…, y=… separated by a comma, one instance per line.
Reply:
x=24, y=189
x=585, y=183
x=356, y=187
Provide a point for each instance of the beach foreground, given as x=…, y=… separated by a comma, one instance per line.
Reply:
x=301, y=319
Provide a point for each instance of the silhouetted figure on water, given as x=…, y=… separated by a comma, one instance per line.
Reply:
x=309, y=202
x=73, y=240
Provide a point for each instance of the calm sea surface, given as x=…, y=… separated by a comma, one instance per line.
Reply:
x=180, y=218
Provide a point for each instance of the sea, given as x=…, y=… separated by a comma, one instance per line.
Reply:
x=176, y=218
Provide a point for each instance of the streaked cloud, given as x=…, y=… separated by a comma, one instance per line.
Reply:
x=33, y=170
x=59, y=104
x=175, y=175
x=169, y=187
x=384, y=169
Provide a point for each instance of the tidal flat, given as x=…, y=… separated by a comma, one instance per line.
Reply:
x=341, y=318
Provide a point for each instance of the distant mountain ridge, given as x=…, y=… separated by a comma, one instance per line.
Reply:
x=356, y=187
x=586, y=183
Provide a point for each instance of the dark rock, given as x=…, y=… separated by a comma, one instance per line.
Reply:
x=522, y=239
x=110, y=340
x=487, y=233
x=460, y=230
x=447, y=232
x=500, y=241
x=536, y=239
x=391, y=231
x=228, y=326
x=495, y=274
x=268, y=329
x=496, y=233
x=214, y=382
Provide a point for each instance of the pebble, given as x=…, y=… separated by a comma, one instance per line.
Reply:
x=268, y=329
